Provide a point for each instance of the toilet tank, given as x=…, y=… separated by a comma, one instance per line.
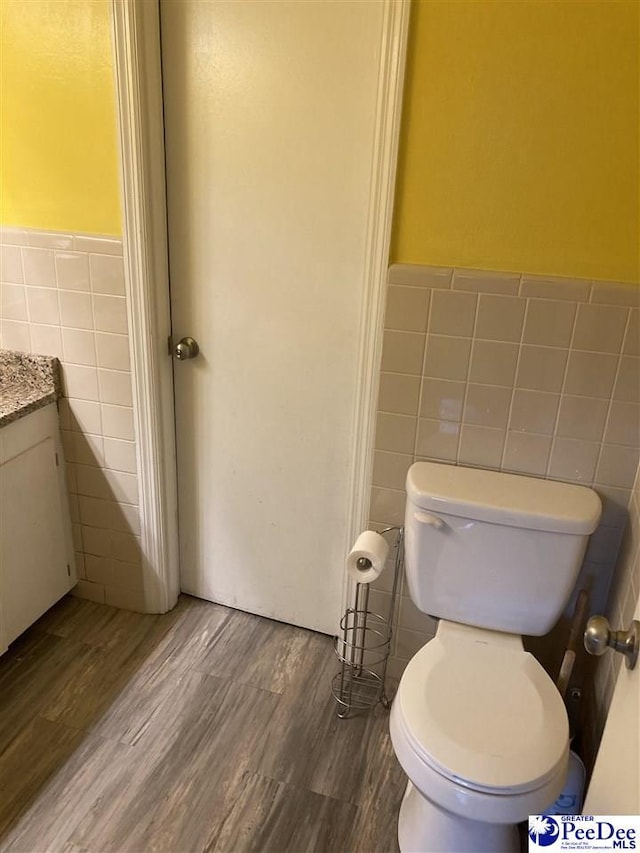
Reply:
x=494, y=550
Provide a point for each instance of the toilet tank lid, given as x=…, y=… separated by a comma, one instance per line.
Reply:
x=510, y=499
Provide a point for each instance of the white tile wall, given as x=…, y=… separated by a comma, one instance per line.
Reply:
x=64, y=295
x=518, y=373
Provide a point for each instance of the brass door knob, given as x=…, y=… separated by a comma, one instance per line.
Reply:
x=599, y=637
x=186, y=348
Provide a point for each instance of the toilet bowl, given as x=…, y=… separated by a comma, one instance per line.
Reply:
x=482, y=733
x=477, y=725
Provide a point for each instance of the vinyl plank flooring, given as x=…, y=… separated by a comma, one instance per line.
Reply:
x=266, y=816
x=33, y=674
x=27, y=764
x=143, y=698
x=336, y=751
x=190, y=767
x=78, y=783
x=201, y=729
x=117, y=652
x=258, y=651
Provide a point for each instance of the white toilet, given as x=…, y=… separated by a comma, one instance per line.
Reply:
x=477, y=724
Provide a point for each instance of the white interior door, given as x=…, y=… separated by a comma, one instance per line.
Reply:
x=615, y=782
x=269, y=116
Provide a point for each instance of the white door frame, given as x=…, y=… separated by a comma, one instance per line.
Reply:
x=136, y=38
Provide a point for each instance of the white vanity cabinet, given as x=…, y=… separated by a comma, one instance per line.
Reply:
x=36, y=548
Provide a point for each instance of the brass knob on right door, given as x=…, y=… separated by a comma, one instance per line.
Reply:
x=598, y=637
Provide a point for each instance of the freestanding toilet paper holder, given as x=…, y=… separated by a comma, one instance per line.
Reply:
x=363, y=646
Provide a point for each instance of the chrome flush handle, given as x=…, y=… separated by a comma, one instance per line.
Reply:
x=599, y=637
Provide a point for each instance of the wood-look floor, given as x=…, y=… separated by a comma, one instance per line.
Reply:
x=205, y=729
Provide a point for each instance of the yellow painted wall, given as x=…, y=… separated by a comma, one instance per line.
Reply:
x=58, y=141
x=519, y=146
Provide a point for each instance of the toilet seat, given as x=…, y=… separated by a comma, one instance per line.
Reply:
x=478, y=719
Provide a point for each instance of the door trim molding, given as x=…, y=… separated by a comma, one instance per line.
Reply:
x=393, y=55
x=136, y=40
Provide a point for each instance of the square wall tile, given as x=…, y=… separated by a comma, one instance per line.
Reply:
x=541, y=368
x=487, y=406
x=110, y=314
x=395, y=432
x=96, y=541
x=442, y=399
x=75, y=309
x=446, y=357
x=117, y=422
x=615, y=504
x=387, y=506
x=13, y=302
x=600, y=328
x=85, y=416
x=573, y=460
x=623, y=425
x=112, y=351
x=126, y=547
x=631, y=344
x=437, y=439
x=402, y=352
x=88, y=449
x=493, y=363
x=94, y=511
x=500, y=318
x=15, y=335
x=481, y=446
x=390, y=469
x=410, y=642
x=38, y=266
x=124, y=517
x=399, y=393
x=107, y=274
x=89, y=591
x=582, y=417
x=120, y=455
x=590, y=374
x=115, y=387
x=618, y=466
x=549, y=322
x=534, y=411
x=46, y=340
x=80, y=382
x=43, y=307
x=407, y=309
x=72, y=271
x=11, y=265
x=414, y=619
x=452, y=313
x=79, y=346
x=527, y=453
x=123, y=487
x=627, y=385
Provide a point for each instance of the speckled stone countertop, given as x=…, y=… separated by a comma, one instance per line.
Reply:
x=27, y=382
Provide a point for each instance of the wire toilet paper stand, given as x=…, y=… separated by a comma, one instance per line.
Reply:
x=363, y=647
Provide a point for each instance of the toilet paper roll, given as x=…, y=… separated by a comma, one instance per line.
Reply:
x=372, y=547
